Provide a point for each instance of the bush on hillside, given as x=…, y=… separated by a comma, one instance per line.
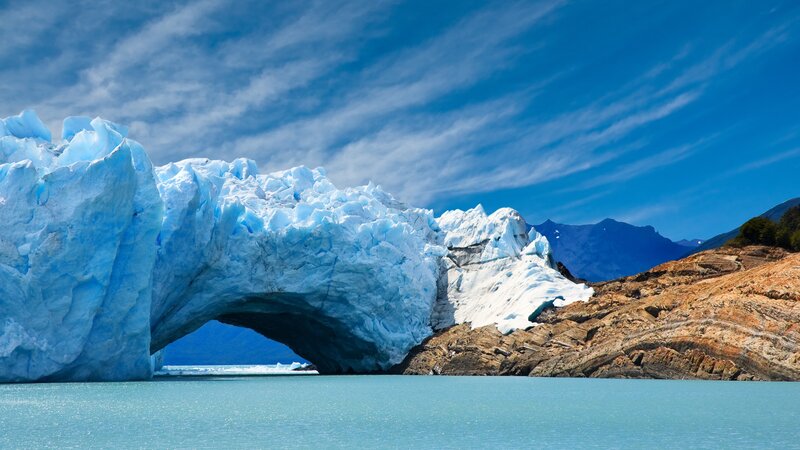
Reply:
x=762, y=231
x=794, y=241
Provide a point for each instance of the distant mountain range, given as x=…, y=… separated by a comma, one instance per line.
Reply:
x=691, y=243
x=218, y=343
x=773, y=214
x=611, y=249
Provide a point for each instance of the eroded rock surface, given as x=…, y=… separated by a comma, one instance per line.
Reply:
x=727, y=314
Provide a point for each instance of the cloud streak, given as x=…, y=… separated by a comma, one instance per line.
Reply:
x=460, y=107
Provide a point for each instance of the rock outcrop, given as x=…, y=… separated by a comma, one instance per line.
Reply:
x=726, y=314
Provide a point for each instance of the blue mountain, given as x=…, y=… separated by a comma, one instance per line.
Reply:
x=219, y=343
x=610, y=249
x=691, y=243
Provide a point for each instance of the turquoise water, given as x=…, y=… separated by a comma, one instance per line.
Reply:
x=400, y=412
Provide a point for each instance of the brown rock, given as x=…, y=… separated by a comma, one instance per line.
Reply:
x=726, y=314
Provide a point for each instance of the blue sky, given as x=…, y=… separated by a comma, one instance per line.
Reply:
x=683, y=115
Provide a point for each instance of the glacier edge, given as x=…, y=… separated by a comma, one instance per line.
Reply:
x=106, y=259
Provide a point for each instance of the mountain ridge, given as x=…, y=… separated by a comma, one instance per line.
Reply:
x=608, y=249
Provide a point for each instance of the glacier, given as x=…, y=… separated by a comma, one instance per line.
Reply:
x=497, y=272
x=106, y=259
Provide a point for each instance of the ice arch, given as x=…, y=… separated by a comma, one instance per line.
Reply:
x=346, y=278
x=105, y=259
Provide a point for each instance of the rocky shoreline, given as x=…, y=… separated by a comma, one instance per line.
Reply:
x=725, y=314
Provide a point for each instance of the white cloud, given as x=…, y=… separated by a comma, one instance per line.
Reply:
x=302, y=85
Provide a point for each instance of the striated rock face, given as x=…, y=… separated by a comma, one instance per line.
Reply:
x=726, y=314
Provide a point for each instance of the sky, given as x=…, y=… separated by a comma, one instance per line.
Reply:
x=683, y=115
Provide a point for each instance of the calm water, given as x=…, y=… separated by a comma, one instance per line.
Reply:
x=400, y=412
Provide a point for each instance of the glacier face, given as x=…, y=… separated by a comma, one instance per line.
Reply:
x=106, y=259
x=346, y=278
x=75, y=281
x=496, y=272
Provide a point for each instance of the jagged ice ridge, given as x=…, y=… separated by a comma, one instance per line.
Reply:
x=105, y=259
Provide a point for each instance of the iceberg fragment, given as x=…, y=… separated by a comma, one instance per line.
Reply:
x=75, y=124
x=76, y=264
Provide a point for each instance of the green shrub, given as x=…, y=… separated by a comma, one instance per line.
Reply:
x=794, y=241
x=758, y=230
x=783, y=238
x=791, y=219
x=762, y=231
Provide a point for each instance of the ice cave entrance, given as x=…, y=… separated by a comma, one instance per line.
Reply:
x=329, y=341
x=217, y=343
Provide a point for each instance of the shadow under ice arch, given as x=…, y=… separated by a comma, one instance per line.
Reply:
x=290, y=319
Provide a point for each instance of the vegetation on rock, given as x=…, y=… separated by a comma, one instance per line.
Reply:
x=762, y=231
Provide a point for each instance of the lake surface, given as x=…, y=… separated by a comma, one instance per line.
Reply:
x=400, y=412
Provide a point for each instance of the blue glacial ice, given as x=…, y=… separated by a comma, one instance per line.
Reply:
x=75, y=277
x=105, y=259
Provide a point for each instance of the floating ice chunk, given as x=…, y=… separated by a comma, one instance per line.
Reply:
x=294, y=368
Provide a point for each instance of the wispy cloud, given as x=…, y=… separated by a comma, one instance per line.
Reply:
x=431, y=115
x=565, y=211
x=25, y=24
x=763, y=162
x=150, y=44
x=643, y=215
x=459, y=57
x=641, y=167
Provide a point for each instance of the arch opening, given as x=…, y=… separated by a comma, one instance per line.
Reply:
x=220, y=344
x=289, y=319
